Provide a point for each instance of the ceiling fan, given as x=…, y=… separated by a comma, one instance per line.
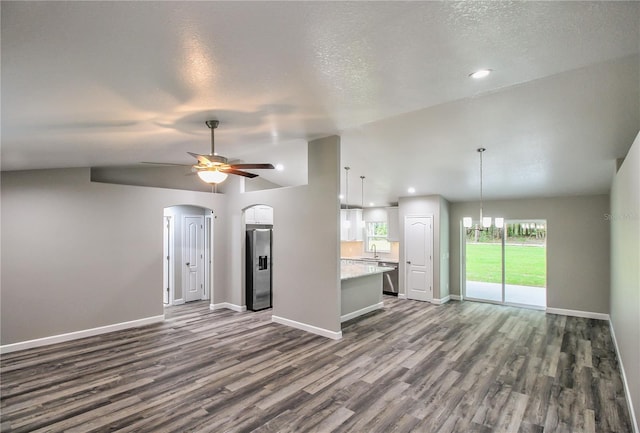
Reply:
x=214, y=169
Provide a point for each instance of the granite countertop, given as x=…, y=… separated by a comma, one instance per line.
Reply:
x=361, y=270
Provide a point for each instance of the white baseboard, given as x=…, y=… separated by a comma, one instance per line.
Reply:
x=306, y=327
x=455, y=297
x=627, y=393
x=178, y=302
x=442, y=300
x=361, y=311
x=578, y=313
x=228, y=306
x=61, y=338
x=402, y=296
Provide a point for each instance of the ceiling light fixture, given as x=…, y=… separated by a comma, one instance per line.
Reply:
x=485, y=222
x=279, y=167
x=481, y=73
x=212, y=176
x=411, y=190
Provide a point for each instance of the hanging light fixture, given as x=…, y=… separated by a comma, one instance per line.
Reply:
x=485, y=222
x=212, y=176
x=347, y=223
x=361, y=222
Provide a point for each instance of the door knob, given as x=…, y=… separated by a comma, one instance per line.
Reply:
x=408, y=262
x=187, y=263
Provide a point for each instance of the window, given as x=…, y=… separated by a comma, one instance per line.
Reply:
x=377, y=237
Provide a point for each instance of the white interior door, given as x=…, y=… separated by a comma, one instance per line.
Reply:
x=418, y=241
x=193, y=258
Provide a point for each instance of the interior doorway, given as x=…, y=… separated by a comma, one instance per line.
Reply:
x=187, y=254
x=507, y=265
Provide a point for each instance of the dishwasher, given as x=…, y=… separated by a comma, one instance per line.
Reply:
x=390, y=279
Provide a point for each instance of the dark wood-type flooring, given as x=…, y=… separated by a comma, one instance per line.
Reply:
x=412, y=367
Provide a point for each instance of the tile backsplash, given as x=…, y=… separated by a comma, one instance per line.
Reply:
x=356, y=249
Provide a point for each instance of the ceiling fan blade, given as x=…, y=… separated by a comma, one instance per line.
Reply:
x=231, y=170
x=254, y=166
x=202, y=159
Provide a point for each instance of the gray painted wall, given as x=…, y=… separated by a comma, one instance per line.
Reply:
x=78, y=255
x=625, y=268
x=577, y=246
x=306, y=241
x=424, y=206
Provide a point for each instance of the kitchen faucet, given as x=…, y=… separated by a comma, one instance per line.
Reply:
x=375, y=251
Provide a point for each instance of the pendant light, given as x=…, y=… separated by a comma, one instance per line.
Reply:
x=347, y=223
x=361, y=222
x=485, y=221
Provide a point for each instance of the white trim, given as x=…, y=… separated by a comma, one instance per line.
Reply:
x=61, y=338
x=627, y=393
x=455, y=297
x=578, y=313
x=178, y=301
x=402, y=296
x=361, y=311
x=306, y=327
x=441, y=301
x=228, y=306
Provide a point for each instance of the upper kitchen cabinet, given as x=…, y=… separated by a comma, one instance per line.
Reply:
x=259, y=214
x=393, y=224
x=351, y=225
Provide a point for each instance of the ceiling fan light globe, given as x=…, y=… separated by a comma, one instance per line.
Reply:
x=467, y=222
x=212, y=176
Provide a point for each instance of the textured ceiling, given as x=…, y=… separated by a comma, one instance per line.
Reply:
x=117, y=83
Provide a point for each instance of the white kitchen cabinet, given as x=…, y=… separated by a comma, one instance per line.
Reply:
x=259, y=214
x=393, y=224
x=351, y=225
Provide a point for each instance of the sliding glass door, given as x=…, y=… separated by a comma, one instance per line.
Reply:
x=507, y=265
x=484, y=264
x=525, y=262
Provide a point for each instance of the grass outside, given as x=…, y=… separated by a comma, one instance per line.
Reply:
x=524, y=265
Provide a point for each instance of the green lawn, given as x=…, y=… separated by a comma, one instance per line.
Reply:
x=525, y=265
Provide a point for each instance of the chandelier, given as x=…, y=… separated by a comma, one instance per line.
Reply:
x=485, y=221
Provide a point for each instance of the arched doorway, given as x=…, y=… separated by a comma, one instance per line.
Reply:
x=187, y=253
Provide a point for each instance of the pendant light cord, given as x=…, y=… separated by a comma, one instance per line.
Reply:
x=480, y=151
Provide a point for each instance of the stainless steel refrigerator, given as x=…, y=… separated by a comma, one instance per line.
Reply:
x=258, y=268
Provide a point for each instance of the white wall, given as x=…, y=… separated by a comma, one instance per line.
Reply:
x=624, y=219
x=78, y=255
x=577, y=246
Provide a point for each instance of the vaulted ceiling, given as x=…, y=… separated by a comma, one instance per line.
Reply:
x=118, y=83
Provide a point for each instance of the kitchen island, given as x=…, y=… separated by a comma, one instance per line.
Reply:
x=361, y=289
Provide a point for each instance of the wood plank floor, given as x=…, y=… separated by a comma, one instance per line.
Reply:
x=412, y=367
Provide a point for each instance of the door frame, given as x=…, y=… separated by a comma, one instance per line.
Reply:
x=168, y=260
x=406, y=268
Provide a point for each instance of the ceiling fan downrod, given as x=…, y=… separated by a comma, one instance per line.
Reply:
x=212, y=124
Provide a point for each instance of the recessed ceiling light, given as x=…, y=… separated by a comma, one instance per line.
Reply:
x=279, y=167
x=371, y=203
x=411, y=190
x=480, y=73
